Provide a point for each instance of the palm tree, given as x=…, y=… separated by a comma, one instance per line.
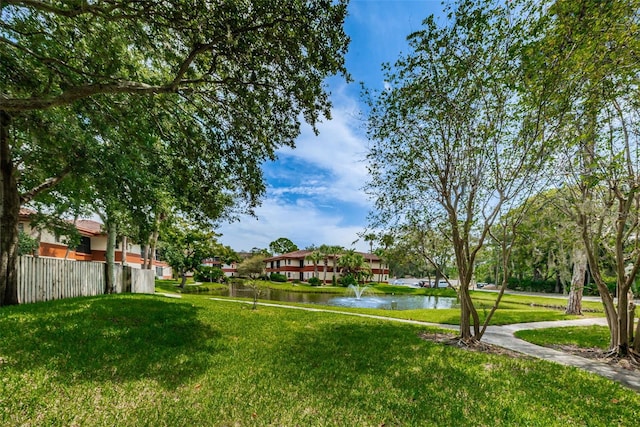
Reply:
x=382, y=254
x=325, y=250
x=370, y=237
x=353, y=264
x=335, y=252
x=315, y=257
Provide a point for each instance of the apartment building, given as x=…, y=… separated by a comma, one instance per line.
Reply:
x=295, y=266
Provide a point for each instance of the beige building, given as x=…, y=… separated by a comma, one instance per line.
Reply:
x=295, y=266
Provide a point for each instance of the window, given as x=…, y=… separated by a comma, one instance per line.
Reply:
x=85, y=245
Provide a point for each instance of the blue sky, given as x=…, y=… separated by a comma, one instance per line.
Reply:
x=315, y=191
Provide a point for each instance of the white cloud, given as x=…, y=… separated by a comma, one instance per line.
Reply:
x=314, y=208
x=322, y=200
x=301, y=222
x=339, y=148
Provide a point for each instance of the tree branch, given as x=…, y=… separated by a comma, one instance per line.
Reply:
x=83, y=8
x=80, y=92
x=48, y=183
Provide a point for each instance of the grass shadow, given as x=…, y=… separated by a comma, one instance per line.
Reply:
x=108, y=338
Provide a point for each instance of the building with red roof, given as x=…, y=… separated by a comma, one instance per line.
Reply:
x=92, y=247
x=296, y=266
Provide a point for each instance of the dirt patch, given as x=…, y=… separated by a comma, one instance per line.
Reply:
x=452, y=340
x=600, y=355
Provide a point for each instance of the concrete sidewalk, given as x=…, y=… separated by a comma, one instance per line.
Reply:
x=503, y=336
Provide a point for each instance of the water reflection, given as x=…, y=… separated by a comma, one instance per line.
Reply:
x=385, y=302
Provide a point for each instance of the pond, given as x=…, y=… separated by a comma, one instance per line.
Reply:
x=385, y=302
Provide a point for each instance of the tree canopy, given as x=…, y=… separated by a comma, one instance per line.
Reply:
x=282, y=246
x=195, y=95
x=185, y=246
x=450, y=141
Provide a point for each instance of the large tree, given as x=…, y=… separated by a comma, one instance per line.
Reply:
x=282, y=245
x=229, y=82
x=449, y=136
x=185, y=246
x=252, y=267
x=589, y=53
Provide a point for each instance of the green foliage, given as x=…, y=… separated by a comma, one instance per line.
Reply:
x=353, y=267
x=27, y=245
x=314, y=281
x=531, y=285
x=282, y=246
x=252, y=267
x=236, y=281
x=205, y=273
x=449, y=145
x=63, y=229
x=185, y=245
x=277, y=277
x=157, y=105
x=348, y=279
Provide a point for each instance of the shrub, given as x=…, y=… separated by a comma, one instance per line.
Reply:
x=209, y=274
x=277, y=277
x=530, y=285
x=348, y=280
x=314, y=281
x=27, y=245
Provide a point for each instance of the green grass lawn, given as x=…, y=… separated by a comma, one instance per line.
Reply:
x=583, y=336
x=133, y=360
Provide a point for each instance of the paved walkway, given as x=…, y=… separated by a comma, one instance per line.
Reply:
x=503, y=336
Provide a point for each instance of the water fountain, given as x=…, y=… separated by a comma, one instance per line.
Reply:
x=357, y=290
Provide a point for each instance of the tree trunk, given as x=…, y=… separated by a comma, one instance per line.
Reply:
x=110, y=256
x=468, y=312
x=145, y=255
x=636, y=340
x=124, y=250
x=574, y=303
x=631, y=317
x=324, y=277
x=152, y=249
x=9, y=216
x=623, y=324
x=183, y=282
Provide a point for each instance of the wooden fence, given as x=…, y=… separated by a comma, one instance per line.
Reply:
x=43, y=279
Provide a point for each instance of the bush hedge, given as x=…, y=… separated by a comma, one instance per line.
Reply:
x=314, y=281
x=277, y=277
